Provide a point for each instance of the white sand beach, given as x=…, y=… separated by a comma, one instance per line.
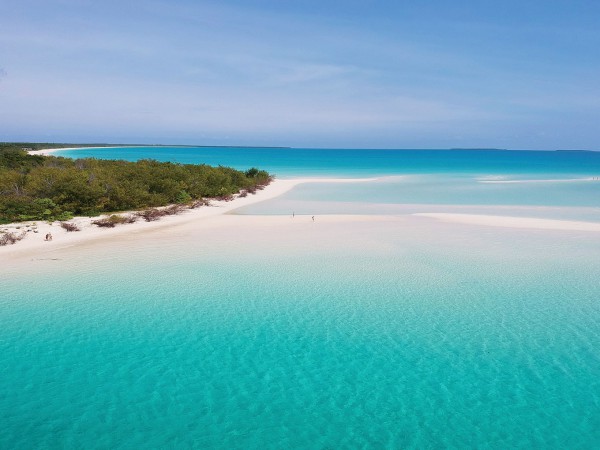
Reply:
x=34, y=241
x=49, y=151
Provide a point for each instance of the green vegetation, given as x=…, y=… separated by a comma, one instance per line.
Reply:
x=34, y=187
x=48, y=145
x=113, y=220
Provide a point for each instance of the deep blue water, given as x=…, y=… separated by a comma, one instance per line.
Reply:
x=312, y=162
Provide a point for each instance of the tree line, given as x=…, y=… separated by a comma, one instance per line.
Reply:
x=34, y=187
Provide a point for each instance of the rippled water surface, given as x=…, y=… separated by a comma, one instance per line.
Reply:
x=380, y=332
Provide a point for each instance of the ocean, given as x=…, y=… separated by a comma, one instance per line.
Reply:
x=389, y=330
x=291, y=162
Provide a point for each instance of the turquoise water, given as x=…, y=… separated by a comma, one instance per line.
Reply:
x=380, y=333
x=449, y=178
x=554, y=199
x=325, y=162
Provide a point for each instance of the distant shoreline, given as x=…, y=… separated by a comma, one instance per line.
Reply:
x=49, y=151
x=103, y=146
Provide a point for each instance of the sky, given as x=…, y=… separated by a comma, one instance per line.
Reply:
x=308, y=73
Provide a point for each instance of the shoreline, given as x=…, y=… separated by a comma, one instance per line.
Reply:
x=49, y=151
x=34, y=242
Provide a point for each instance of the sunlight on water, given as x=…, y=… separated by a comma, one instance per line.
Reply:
x=378, y=332
x=363, y=334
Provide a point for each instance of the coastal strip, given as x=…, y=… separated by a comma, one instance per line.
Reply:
x=49, y=151
x=35, y=243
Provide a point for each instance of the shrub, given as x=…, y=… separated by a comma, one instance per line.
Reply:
x=150, y=215
x=114, y=220
x=8, y=238
x=104, y=223
x=183, y=197
x=252, y=173
x=173, y=210
x=225, y=198
x=69, y=226
x=199, y=203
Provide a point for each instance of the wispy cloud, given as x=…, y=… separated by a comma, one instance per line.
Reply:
x=261, y=74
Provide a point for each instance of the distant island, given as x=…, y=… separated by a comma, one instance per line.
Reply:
x=33, y=146
x=480, y=148
x=585, y=151
x=36, y=187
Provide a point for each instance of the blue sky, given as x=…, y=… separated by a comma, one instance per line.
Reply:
x=379, y=74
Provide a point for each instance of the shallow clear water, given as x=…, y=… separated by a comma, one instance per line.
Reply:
x=555, y=199
x=382, y=333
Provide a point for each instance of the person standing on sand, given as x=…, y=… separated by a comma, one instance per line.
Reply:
x=313, y=217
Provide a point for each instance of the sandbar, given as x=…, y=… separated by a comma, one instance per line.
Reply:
x=513, y=222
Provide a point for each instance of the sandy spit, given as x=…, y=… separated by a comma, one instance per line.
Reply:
x=36, y=231
x=513, y=222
